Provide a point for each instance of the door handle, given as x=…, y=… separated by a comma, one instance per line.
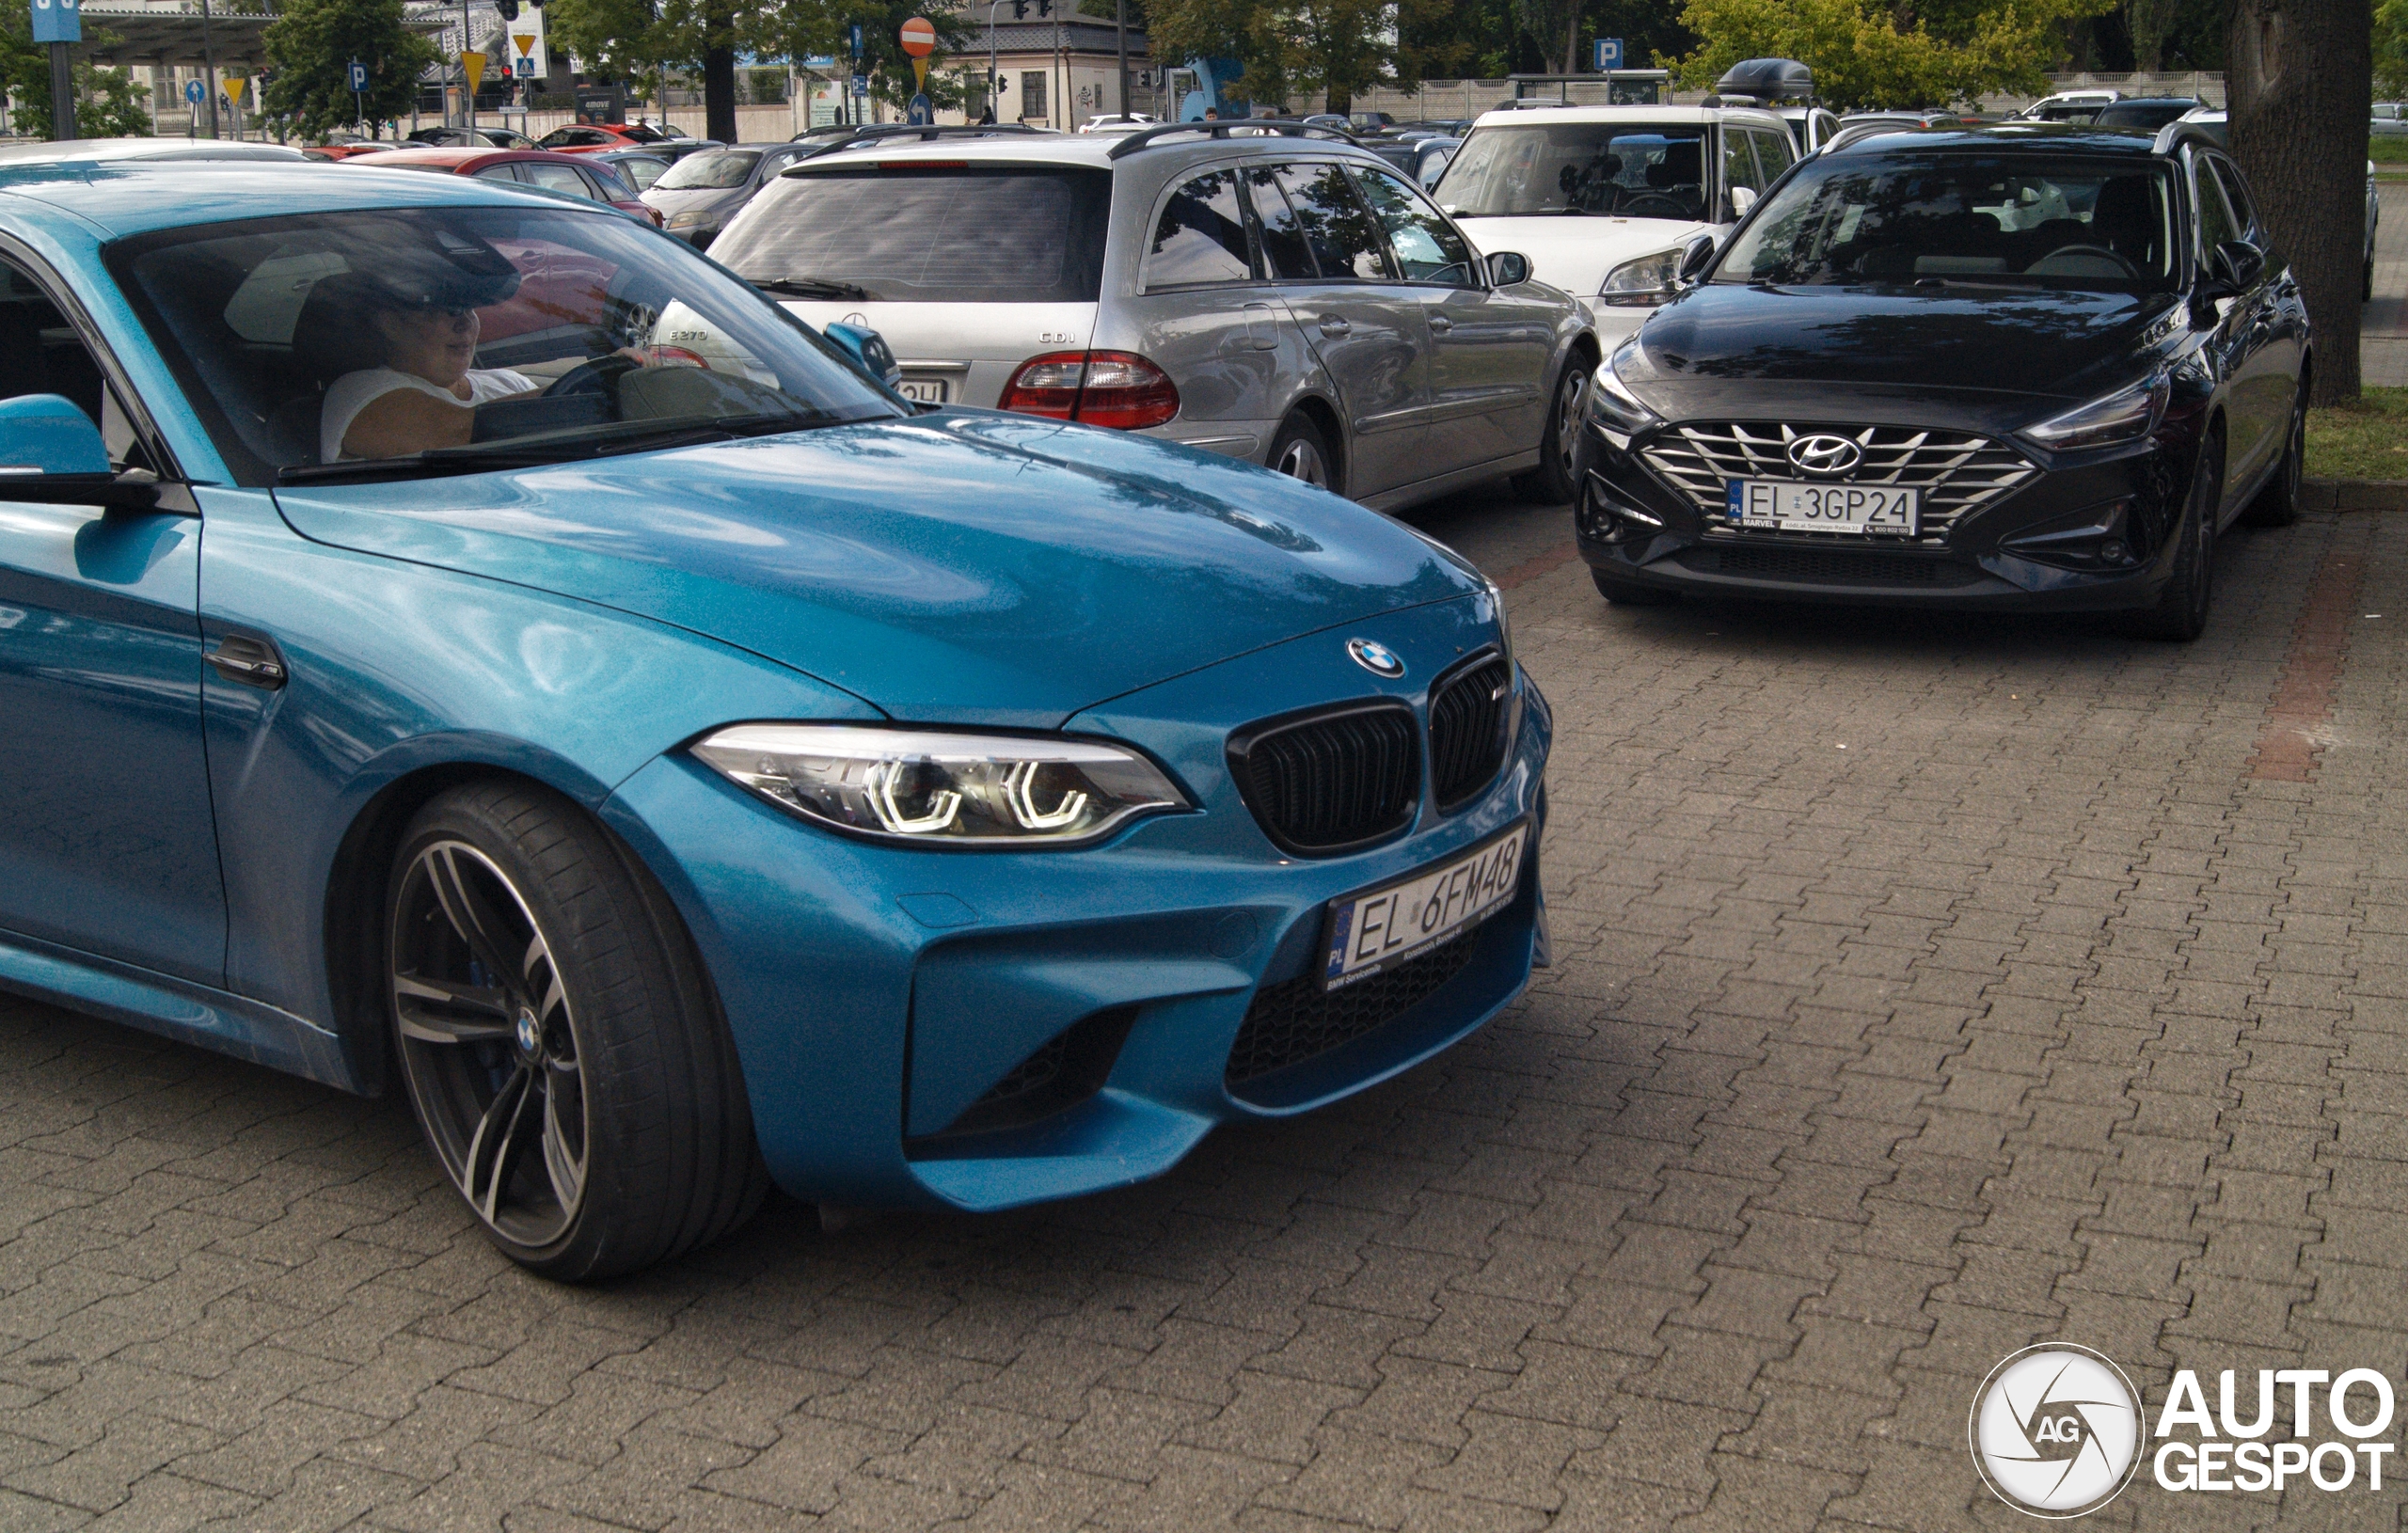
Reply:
x=1441, y=323
x=1332, y=324
x=249, y=659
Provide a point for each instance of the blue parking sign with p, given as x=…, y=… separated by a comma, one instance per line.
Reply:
x=358, y=75
x=58, y=20
x=1608, y=54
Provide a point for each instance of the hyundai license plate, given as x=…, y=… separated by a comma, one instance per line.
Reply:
x=922, y=391
x=1776, y=505
x=1384, y=928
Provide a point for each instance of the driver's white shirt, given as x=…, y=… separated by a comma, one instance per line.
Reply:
x=354, y=391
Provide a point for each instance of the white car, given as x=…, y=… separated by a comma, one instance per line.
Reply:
x=2070, y=107
x=1604, y=199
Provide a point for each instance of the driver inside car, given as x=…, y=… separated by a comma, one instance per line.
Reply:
x=423, y=391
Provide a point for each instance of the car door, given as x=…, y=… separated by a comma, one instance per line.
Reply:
x=2277, y=343
x=1363, y=322
x=107, y=843
x=1203, y=315
x=1742, y=183
x=1489, y=350
x=2239, y=340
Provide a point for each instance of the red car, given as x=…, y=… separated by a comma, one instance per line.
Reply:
x=563, y=175
x=351, y=148
x=586, y=138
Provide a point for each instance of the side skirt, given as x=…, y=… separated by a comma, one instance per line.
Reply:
x=174, y=1009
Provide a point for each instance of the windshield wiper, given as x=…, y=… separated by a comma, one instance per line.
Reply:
x=813, y=287
x=538, y=451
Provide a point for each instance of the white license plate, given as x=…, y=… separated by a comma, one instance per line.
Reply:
x=922, y=391
x=1384, y=927
x=1776, y=505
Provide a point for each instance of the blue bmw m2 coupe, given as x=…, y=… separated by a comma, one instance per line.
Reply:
x=457, y=641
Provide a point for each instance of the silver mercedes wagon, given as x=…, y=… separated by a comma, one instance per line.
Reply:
x=1263, y=290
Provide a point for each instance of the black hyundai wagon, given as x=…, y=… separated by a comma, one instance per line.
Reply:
x=2018, y=367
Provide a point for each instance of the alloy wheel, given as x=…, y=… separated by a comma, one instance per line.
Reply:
x=1566, y=424
x=489, y=1043
x=1303, y=460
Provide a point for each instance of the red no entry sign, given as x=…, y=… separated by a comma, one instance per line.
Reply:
x=919, y=37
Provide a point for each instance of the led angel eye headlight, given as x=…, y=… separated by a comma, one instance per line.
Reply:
x=935, y=788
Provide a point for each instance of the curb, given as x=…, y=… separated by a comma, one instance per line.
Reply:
x=2354, y=493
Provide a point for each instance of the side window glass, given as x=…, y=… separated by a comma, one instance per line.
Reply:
x=2215, y=220
x=1346, y=240
x=1285, y=255
x=42, y=352
x=1738, y=172
x=1200, y=237
x=1424, y=245
x=557, y=178
x=2236, y=192
x=1773, y=154
x=497, y=172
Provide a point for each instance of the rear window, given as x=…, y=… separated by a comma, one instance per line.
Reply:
x=953, y=235
x=721, y=170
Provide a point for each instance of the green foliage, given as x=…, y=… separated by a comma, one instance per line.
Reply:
x=310, y=47
x=2391, y=49
x=1332, y=48
x=1862, y=54
x=108, y=102
x=630, y=39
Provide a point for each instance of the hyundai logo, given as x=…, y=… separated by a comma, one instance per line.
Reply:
x=1376, y=658
x=1825, y=454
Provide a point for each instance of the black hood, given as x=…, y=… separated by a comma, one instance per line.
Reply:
x=2043, y=344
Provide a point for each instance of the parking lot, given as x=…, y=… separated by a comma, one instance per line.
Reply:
x=1922, y=987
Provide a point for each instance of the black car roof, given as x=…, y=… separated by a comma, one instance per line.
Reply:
x=2053, y=138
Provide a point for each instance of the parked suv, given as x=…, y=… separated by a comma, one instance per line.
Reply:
x=1272, y=293
x=1604, y=199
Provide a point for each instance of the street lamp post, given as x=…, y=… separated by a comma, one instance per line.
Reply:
x=1120, y=23
x=208, y=67
x=994, y=83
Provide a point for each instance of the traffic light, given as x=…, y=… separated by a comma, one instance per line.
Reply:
x=1020, y=10
x=1045, y=7
x=509, y=9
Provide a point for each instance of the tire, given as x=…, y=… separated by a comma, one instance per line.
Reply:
x=558, y=1041
x=1550, y=484
x=1301, y=451
x=2366, y=293
x=1624, y=593
x=2278, y=505
x=2180, y=615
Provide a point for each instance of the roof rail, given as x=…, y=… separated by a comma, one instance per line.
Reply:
x=2181, y=132
x=879, y=132
x=1253, y=127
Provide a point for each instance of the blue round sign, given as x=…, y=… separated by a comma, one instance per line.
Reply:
x=193, y=91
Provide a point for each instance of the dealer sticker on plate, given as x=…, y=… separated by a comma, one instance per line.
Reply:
x=1384, y=927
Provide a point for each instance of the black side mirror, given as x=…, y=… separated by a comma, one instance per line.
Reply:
x=1696, y=256
x=1507, y=268
x=2234, y=267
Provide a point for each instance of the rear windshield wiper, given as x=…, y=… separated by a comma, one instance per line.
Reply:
x=537, y=452
x=813, y=287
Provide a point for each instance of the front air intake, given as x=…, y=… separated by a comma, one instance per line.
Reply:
x=1332, y=780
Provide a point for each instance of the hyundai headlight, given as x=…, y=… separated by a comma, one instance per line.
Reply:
x=1613, y=404
x=1644, y=282
x=2125, y=416
x=935, y=788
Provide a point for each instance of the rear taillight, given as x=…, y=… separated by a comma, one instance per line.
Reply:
x=1119, y=390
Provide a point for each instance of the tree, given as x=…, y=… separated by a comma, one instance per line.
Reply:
x=2150, y=24
x=310, y=46
x=1864, y=53
x=1332, y=48
x=2391, y=47
x=2299, y=76
x=108, y=102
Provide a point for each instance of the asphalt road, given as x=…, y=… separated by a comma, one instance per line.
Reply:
x=1924, y=987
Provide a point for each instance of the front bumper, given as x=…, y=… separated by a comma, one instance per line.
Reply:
x=878, y=994
x=2042, y=546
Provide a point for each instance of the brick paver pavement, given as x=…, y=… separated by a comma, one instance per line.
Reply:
x=1925, y=986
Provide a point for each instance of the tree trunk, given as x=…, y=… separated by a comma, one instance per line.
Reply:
x=2299, y=74
x=1571, y=41
x=719, y=73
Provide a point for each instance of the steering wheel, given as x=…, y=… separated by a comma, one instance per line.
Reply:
x=1637, y=206
x=2129, y=269
x=600, y=376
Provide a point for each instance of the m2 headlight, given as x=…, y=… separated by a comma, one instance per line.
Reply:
x=934, y=788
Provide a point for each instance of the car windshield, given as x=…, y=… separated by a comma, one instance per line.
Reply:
x=726, y=169
x=457, y=340
x=1962, y=219
x=1624, y=169
x=641, y=169
x=2150, y=115
x=946, y=234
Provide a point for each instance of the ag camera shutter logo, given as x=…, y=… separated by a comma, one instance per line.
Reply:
x=2055, y=1431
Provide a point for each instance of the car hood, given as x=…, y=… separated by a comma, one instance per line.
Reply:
x=2054, y=344
x=678, y=198
x=1575, y=254
x=962, y=567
